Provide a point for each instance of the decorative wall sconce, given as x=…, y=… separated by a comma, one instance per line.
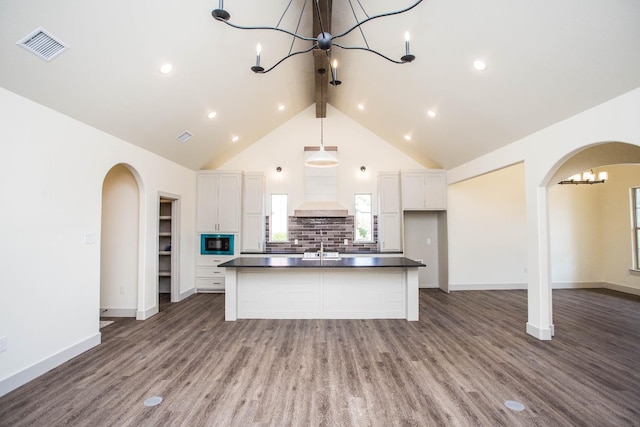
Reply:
x=363, y=169
x=278, y=169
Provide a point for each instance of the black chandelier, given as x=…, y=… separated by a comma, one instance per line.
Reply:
x=324, y=41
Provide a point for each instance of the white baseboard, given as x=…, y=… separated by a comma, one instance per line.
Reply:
x=487, y=287
x=540, y=333
x=145, y=314
x=622, y=288
x=578, y=285
x=428, y=286
x=14, y=381
x=117, y=312
x=187, y=294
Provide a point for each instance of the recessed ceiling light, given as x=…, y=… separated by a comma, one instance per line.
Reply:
x=166, y=68
x=432, y=114
x=407, y=137
x=212, y=115
x=360, y=106
x=281, y=107
x=479, y=64
x=235, y=138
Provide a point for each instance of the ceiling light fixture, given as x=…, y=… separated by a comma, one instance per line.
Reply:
x=361, y=107
x=235, y=138
x=212, y=115
x=587, y=177
x=479, y=65
x=321, y=158
x=324, y=41
x=432, y=114
x=281, y=107
x=407, y=137
x=166, y=68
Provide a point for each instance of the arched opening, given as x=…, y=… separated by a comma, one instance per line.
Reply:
x=590, y=241
x=119, y=243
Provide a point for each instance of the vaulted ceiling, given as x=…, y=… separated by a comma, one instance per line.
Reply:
x=546, y=61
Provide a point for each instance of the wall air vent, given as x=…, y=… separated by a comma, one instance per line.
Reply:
x=185, y=136
x=43, y=44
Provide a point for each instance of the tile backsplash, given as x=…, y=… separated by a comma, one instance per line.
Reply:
x=332, y=231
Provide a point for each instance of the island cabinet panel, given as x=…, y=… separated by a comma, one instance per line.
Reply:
x=370, y=294
x=424, y=190
x=389, y=212
x=218, y=206
x=253, y=213
x=320, y=293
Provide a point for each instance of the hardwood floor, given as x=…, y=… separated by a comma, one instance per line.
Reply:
x=457, y=366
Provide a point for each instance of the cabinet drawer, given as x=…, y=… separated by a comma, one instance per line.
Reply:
x=215, y=284
x=210, y=272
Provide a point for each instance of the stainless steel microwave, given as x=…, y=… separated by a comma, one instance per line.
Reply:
x=216, y=244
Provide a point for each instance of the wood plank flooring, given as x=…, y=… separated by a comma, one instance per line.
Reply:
x=457, y=366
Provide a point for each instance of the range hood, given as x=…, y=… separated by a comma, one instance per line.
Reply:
x=321, y=192
x=321, y=209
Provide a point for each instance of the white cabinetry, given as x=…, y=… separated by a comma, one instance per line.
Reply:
x=218, y=202
x=253, y=219
x=210, y=277
x=389, y=212
x=424, y=190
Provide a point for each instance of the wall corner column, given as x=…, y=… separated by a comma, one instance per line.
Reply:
x=539, y=276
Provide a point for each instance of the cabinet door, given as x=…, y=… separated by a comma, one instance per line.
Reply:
x=207, y=206
x=435, y=190
x=389, y=213
x=229, y=190
x=389, y=193
x=252, y=232
x=413, y=191
x=390, y=233
x=253, y=194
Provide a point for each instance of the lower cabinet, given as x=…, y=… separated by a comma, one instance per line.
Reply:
x=210, y=277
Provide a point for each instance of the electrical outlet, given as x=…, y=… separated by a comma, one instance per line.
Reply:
x=3, y=344
x=346, y=241
x=122, y=289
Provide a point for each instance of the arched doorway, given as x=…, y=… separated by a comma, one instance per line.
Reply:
x=589, y=238
x=119, y=243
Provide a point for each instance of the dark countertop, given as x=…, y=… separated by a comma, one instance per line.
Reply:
x=287, y=262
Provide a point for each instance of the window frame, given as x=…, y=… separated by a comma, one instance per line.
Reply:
x=286, y=218
x=356, y=233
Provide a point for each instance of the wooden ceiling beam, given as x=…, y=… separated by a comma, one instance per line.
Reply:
x=320, y=62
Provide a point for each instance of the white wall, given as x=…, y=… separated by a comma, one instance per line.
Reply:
x=487, y=231
x=51, y=173
x=616, y=243
x=119, y=244
x=357, y=147
x=575, y=234
x=543, y=152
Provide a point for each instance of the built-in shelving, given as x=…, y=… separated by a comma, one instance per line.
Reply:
x=164, y=246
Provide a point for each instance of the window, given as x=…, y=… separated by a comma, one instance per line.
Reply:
x=635, y=206
x=278, y=224
x=363, y=219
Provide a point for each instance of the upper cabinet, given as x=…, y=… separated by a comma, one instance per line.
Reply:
x=218, y=202
x=389, y=212
x=253, y=213
x=424, y=190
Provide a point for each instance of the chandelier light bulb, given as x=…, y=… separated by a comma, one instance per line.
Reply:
x=407, y=36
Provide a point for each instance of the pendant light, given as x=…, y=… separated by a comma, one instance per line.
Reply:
x=321, y=158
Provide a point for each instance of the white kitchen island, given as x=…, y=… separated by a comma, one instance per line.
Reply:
x=346, y=288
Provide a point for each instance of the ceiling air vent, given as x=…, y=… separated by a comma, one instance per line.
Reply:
x=185, y=136
x=43, y=44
